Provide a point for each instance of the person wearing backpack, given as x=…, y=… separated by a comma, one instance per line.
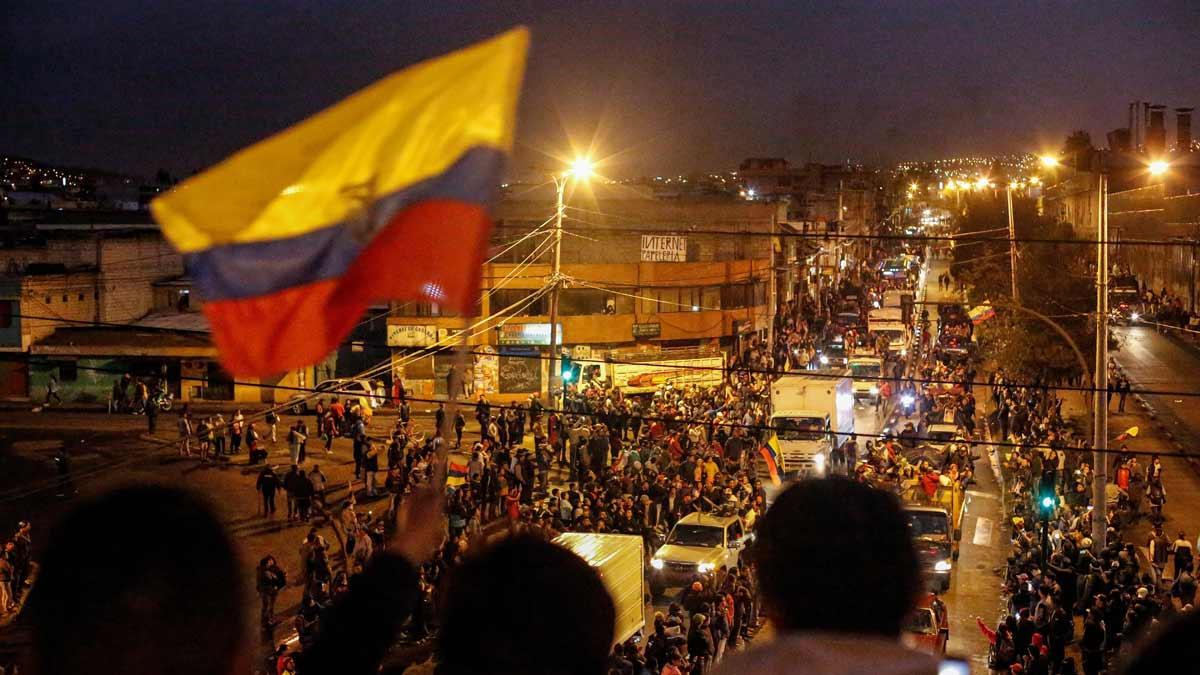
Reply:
x=1003, y=651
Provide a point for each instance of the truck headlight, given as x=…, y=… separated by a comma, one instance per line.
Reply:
x=705, y=568
x=819, y=463
x=942, y=566
x=824, y=360
x=903, y=351
x=1134, y=316
x=656, y=563
x=907, y=399
x=874, y=391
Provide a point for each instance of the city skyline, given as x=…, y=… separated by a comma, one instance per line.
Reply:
x=692, y=86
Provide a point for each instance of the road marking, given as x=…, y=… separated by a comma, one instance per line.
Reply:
x=983, y=531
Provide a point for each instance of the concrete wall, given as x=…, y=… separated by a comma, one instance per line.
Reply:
x=89, y=386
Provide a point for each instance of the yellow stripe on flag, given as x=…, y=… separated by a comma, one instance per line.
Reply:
x=320, y=172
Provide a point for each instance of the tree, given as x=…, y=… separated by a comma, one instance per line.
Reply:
x=1053, y=278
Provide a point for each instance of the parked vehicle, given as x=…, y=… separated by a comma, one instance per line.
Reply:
x=345, y=389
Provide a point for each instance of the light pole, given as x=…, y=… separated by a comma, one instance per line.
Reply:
x=1012, y=244
x=1099, y=395
x=580, y=169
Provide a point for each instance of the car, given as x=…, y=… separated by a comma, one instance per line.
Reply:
x=941, y=434
x=935, y=538
x=927, y=627
x=700, y=545
x=345, y=389
x=833, y=354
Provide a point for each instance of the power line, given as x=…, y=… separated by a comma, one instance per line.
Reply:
x=774, y=372
x=670, y=420
x=967, y=237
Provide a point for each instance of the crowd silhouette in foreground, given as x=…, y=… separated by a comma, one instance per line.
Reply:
x=835, y=565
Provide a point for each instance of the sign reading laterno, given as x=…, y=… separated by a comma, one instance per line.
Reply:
x=664, y=248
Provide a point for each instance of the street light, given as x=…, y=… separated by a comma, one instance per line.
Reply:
x=1049, y=161
x=1159, y=167
x=581, y=169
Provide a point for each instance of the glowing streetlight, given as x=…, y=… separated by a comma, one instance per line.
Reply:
x=1049, y=161
x=982, y=184
x=1159, y=167
x=581, y=168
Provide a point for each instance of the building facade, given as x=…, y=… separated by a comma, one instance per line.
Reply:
x=641, y=276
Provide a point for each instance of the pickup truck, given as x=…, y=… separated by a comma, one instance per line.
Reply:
x=935, y=529
x=700, y=546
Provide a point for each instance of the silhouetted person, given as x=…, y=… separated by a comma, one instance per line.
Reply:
x=837, y=575
x=171, y=602
x=526, y=581
x=1171, y=647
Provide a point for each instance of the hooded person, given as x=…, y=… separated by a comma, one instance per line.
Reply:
x=837, y=575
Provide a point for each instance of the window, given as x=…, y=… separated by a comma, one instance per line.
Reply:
x=48, y=300
x=507, y=297
x=68, y=371
x=733, y=296
x=7, y=309
x=581, y=301
x=81, y=297
x=64, y=297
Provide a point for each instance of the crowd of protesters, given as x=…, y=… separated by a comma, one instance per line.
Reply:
x=1066, y=594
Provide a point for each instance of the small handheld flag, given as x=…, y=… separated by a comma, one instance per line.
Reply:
x=770, y=455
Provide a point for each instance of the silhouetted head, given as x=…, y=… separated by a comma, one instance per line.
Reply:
x=503, y=603
x=835, y=555
x=109, y=600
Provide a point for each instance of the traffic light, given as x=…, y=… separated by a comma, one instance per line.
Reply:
x=567, y=370
x=1047, y=503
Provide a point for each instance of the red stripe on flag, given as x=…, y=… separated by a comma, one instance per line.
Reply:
x=431, y=251
x=772, y=467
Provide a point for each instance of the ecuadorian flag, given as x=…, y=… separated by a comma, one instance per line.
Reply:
x=770, y=455
x=385, y=195
x=456, y=473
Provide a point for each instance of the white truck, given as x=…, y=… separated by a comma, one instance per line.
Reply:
x=866, y=371
x=886, y=321
x=810, y=416
x=620, y=561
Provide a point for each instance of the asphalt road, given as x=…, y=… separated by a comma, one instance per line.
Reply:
x=1156, y=362
x=975, y=584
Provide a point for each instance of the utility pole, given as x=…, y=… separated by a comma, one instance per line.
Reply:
x=1099, y=395
x=1012, y=246
x=555, y=284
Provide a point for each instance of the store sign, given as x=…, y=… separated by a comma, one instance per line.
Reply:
x=664, y=248
x=411, y=336
x=647, y=330
x=526, y=334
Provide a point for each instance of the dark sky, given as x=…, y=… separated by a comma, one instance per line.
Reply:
x=655, y=86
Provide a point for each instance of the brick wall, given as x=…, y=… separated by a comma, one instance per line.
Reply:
x=58, y=296
x=128, y=267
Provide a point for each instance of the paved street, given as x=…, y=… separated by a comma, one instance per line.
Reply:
x=975, y=587
x=111, y=450
x=1154, y=361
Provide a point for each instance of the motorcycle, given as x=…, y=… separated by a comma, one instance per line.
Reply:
x=163, y=400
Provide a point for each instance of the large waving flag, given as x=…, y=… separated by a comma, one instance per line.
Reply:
x=385, y=195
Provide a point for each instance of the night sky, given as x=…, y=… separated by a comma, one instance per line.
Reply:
x=654, y=86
